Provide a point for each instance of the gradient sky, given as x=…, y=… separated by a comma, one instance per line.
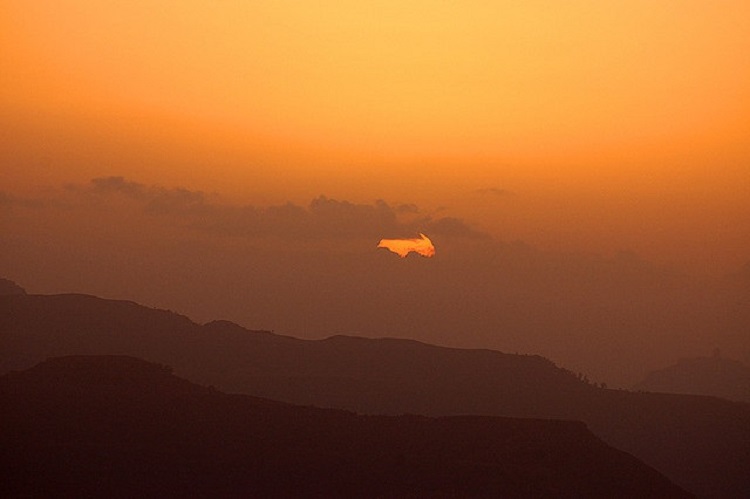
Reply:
x=621, y=124
x=583, y=126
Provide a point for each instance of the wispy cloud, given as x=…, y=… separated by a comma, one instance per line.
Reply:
x=322, y=218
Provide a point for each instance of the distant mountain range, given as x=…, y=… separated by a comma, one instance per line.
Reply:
x=8, y=287
x=701, y=443
x=717, y=376
x=116, y=426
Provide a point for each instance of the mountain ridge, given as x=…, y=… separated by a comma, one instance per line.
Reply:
x=714, y=376
x=676, y=434
x=120, y=426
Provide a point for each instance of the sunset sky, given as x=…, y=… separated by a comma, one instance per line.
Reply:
x=583, y=126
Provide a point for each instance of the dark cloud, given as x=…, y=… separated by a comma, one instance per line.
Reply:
x=157, y=200
x=407, y=208
x=322, y=218
x=8, y=202
x=179, y=202
x=342, y=218
x=454, y=227
x=106, y=185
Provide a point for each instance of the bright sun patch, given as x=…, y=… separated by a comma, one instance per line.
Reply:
x=402, y=247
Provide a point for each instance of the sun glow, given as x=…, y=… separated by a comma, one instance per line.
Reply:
x=402, y=247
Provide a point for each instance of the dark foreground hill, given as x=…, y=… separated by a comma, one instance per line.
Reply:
x=717, y=376
x=114, y=426
x=700, y=443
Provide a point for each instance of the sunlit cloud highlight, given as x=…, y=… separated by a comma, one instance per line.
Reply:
x=402, y=247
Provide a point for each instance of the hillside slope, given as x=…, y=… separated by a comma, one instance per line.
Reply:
x=717, y=376
x=701, y=443
x=115, y=426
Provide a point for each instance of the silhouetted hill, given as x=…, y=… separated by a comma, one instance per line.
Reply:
x=717, y=376
x=8, y=287
x=114, y=426
x=701, y=443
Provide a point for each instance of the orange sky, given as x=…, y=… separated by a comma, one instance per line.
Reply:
x=619, y=124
